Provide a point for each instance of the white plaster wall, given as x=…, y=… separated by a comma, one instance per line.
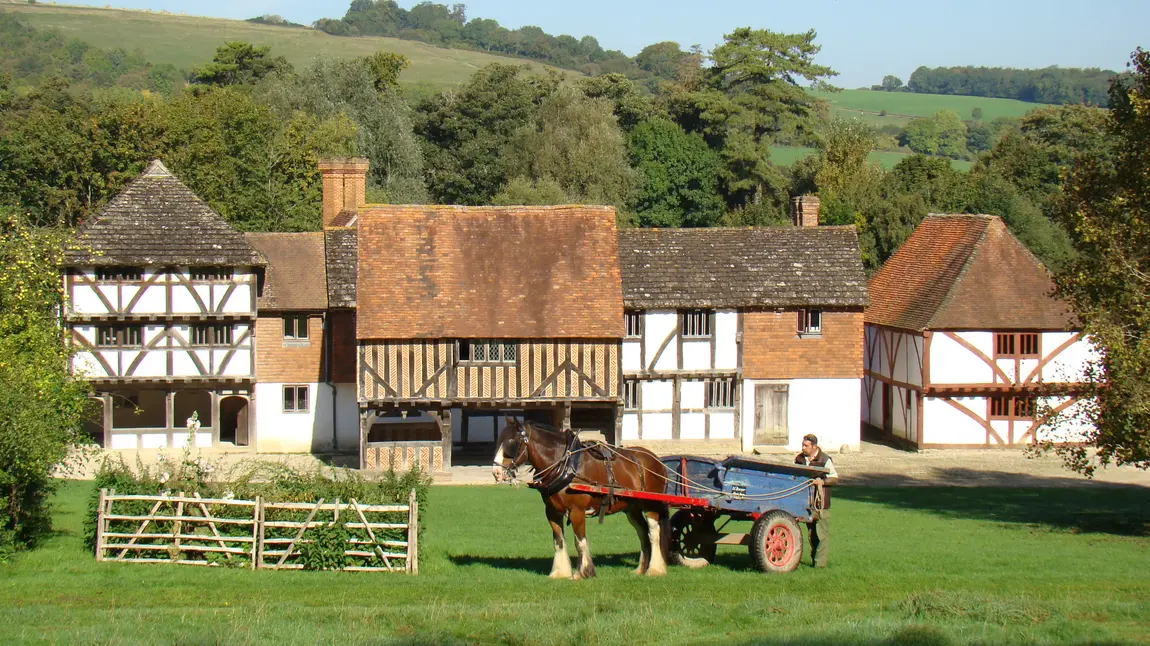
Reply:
x=942, y=424
x=723, y=425
x=726, y=339
x=284, y=432
x=240, y=301
x=632, y=359
x=1071, y=427
x=656, y=395
x=950, y=363
x=657, y=426
x=630, y=426
x=154, y=364
x=85, y=364
x=657, y=326
x=691, y=394
x=696, y=355
x=693, y=426
x=826, y=407
x=346, y=417
x=1070, y=365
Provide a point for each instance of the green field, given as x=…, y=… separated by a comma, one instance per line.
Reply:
x=787, y=155
x=187, y=41
x=909, y=565
x=901, y=107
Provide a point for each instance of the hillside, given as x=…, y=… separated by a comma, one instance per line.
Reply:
x=788, y=155
x=901, y=107
x=188, y=41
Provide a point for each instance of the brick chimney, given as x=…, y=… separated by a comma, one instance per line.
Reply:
x=344, y=186
x=806, y=210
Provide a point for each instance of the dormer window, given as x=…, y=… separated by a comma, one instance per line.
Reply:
x=211, y=273
x=119, y=273
x=696, y=323
x=810, y=322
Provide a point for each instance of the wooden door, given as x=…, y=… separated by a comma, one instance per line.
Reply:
x=242, y=433
x=771, y=413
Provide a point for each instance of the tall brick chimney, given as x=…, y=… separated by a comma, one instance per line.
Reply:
x=806, y=209
x=344, y=186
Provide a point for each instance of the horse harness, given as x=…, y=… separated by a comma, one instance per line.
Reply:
x=564, y=471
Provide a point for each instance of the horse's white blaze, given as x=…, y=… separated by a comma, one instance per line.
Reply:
x=497, y=464
x=658, y=565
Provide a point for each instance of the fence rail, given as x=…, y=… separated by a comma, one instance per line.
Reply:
x=132, y=528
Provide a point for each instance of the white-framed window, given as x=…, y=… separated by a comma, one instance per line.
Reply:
x=295, y=399
x=212, y=334
x=211, y=273
x=488, y=351
x=119, y=273
x=696, y=323
x=119, y=336
x=630, y=394
x=633, y=323
x=719, y=393
x=810, y=322
x=295, y=327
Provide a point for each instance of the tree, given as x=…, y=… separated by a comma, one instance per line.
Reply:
x=1107, y=209
x=42, y=403
x=678, y=176
x=240, y=63
x=891, y=83
x=976, y=113
x=943, y=133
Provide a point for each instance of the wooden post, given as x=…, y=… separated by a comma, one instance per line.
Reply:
x=100, y=513
x=363, y=429
x=412, y=534
x=178, y=526
x=257, y=532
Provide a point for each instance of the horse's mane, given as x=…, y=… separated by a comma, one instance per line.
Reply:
x=547, y=428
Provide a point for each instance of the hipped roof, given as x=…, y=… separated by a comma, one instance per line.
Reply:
x=965, y=272
x=157, y=221
x=488, y=272
x=745, y=267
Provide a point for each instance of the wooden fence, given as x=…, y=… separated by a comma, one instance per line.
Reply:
x=190, y=530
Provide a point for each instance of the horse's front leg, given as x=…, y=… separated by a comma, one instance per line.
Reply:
x=658, y=528
x=561, y=566
x=579, y=526
x=635, y=516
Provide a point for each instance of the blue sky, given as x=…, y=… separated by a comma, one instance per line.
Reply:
x=862, y=39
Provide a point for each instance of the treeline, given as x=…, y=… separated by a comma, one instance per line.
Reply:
x=1054, y=85
x=31, y=56
x=446, y=26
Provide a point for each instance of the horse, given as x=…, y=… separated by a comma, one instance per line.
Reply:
x=559, y=458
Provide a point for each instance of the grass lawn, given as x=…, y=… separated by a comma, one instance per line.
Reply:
x=902, y=106
x=190, y=41
x=787, y=155
x=908, y=566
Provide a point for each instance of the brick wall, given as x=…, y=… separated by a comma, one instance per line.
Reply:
x=772, y=348
x=295, y=363
x=343, y=347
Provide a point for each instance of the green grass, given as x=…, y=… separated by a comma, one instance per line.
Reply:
x=901, y=107
x=788, y=155
x=908, y=566
x=189, y=41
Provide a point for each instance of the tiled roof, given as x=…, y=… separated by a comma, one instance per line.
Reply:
x=342, y=263
x=742, y=267
x=965, y=272
x=345, y=218
x=157, y=221
x=488, y=272
x=295, y=278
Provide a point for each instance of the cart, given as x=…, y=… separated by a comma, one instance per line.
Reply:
x=776, y=497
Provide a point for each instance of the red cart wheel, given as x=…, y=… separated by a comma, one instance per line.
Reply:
x=776, y=542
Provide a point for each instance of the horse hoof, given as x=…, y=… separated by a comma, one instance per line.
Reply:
x=639, y=571
x=654, y=572
x=559, y=575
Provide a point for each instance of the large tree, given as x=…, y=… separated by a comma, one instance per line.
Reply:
x=1107, y=208
x=678, y=176
x=240, y=63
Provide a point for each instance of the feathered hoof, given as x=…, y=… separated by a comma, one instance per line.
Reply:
x=656, y=572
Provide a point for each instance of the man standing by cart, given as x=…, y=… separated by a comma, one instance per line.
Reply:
x=819, y=532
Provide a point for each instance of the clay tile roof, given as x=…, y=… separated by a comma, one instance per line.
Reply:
x=742, y=267
x=342, y=265
x=488, y=272
x=964, y=272
x=345, y=218
x=156, y=221
x=295, y=278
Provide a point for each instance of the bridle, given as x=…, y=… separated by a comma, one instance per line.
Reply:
x=511, y=465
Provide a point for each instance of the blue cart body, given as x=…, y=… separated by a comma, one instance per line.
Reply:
x=742, y=487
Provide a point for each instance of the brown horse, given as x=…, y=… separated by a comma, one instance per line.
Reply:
x=559, y=458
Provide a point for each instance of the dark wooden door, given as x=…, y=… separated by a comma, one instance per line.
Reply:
x=771, y=413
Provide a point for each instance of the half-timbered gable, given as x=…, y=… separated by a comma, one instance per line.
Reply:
x=741, y=337
x=161, y=309
x=964, y=341
x=489, y=311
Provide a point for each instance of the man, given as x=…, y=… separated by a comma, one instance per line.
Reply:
x=819, y=532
